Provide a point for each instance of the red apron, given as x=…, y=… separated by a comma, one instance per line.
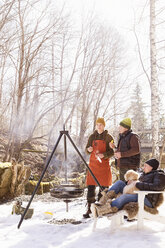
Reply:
x=102, y=171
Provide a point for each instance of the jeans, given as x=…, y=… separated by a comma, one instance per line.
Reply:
x=125, y=198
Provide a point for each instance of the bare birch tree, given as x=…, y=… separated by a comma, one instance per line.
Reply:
x=57, y=75
x=154, y=84
x=152, y=78
x=5, y=39
x=28, y=58
x=101, y=48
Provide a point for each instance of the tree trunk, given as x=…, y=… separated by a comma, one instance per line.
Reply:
x=154, y=85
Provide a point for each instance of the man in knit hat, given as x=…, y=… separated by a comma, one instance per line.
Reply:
x=100, y=152
x=127, y=152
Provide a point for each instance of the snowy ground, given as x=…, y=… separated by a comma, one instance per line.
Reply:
x=39, y=233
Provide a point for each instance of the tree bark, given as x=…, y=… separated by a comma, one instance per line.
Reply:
x=154, y=84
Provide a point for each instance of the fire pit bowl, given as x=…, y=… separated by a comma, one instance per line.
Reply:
x=66, y=191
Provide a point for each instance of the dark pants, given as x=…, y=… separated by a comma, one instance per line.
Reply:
x=91, y=193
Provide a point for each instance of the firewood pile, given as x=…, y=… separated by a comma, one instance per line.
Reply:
x=13, y=178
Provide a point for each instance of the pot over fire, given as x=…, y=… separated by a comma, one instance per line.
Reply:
x=67, y=191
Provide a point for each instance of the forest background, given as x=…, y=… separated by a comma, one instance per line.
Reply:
x=68, y=62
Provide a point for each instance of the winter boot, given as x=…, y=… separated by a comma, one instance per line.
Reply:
x=99, y=210
x=106, y=196
x=87, y=214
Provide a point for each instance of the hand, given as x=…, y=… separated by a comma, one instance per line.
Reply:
x=100, y=155
x=90, y=149
x=132, y=182
x=129, y=182
x=117, y=155
x=112, y=145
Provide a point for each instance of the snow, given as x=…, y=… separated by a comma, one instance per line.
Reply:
x=38, y=232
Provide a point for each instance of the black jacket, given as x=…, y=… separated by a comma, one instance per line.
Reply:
x=128, y=145
x=152, y=181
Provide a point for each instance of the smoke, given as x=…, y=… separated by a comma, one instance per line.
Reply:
x=65, y=167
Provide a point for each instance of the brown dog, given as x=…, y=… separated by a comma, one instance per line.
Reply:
x=131, y=177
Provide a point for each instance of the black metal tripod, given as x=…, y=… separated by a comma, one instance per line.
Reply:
x=47, y=164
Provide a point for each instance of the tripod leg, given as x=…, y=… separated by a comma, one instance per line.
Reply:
x=84, y=161
x=42, y=175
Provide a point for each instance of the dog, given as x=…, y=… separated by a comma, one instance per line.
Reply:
x=131, y=177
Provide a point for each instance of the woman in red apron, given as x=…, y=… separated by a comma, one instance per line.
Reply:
x=100, y=152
